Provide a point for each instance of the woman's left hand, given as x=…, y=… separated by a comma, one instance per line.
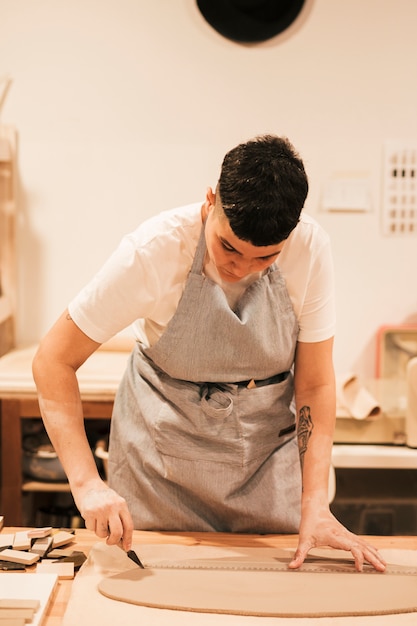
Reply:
x=319, y=527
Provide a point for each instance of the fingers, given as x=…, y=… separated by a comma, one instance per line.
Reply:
x=359, y=558
x=299, y=556
x=374, y=558
x=120, y=530
x=127, y=523
x=362, y=552
x=107, y=515
x=320, y=528
x=297, y=561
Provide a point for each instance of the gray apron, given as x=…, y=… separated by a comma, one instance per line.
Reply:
x=202, y=434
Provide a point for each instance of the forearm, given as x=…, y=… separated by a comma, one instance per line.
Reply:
x=55, y=364
x=64, y=424
x=62, y=414
x=315, y=431
x=315, y=398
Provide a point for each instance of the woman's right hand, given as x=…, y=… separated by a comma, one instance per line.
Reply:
x=105, y=513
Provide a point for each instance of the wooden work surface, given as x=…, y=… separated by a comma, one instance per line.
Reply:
x=84, y=540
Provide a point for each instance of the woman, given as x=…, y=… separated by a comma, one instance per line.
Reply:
x=232, y=304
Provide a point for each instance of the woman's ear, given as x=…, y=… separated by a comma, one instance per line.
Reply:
x=208, y=204
x=211, y=196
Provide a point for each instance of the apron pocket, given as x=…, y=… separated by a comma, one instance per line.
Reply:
x=266, y=421
x=205, y=431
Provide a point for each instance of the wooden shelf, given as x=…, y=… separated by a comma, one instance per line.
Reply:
x=8, y=208
x=37, y=485
x=374, y=456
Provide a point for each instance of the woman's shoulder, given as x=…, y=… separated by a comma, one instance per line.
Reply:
x=308, y=232
x=310, y=225
x=178, y=224
x=163, y=245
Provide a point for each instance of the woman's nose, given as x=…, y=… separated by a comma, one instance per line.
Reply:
x=242, y=268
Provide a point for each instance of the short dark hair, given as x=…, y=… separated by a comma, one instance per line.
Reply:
x=262, y=188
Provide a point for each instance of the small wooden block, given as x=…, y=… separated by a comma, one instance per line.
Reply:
x=13, y=621
x=64, y=571
x=25, y=614
x=22, y=541
x=18, y=556
x=57, y=553
x=77, y=557
x=38, y=533
x=61, y=538
x=18, y=603
x=41, y=546
x=68, y=530
x=1, y=521
x=8, y=566
x=6, y=540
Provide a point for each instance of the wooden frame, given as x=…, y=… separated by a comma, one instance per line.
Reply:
x=8, y=282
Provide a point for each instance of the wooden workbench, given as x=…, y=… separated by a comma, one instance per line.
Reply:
x=84, y=540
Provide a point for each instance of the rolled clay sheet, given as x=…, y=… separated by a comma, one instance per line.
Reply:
x=265, y=593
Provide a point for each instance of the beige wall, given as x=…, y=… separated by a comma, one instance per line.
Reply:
x=126, y=107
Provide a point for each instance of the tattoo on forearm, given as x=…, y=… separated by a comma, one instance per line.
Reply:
x=305, y=427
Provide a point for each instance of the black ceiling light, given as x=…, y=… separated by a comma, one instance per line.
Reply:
x=250, y=21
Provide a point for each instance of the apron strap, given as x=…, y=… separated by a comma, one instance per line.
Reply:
x=200, y=252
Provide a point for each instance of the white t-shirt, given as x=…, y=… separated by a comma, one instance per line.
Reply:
x=143, y=280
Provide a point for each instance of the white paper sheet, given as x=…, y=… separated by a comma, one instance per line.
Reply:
x=22, y=586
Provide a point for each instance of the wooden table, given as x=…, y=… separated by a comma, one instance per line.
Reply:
x=84, y=539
